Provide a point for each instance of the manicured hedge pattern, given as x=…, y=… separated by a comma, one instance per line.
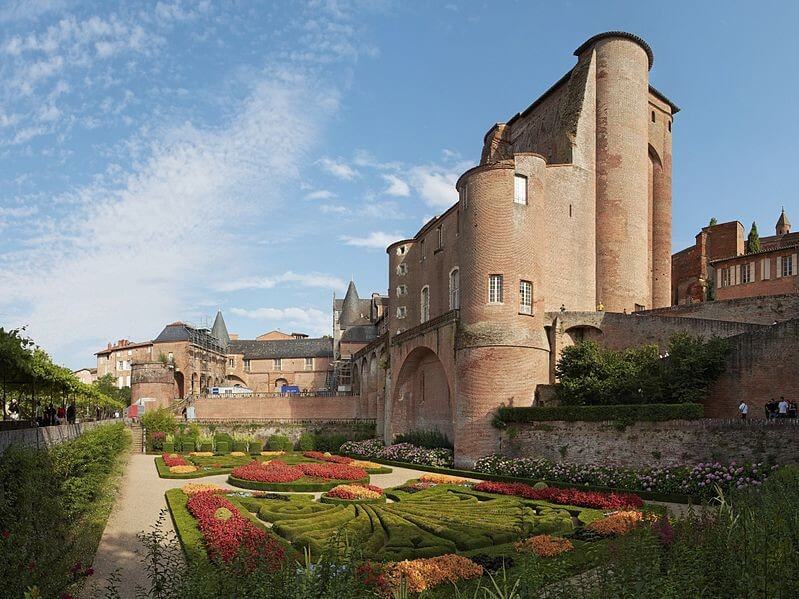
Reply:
x=439, y=520
x=623, y=413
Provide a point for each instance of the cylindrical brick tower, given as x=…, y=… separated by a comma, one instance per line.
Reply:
x=502, y=351
x=622, y=170
x=661, y=219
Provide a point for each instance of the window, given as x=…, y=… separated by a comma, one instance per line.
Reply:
x=494, y=289
x=401, y=311
x=725, y=277
x=120, y=365
x=520, y=189
x=425, y=303
x=402, y=291
x=308, y=363
x=278, y=364
x=401, y=250
x=765, y=269
x=746, y=273
x=170, y=357
x=402, y=269
x=231, y=362
x=465, y=196
x=421, y=251
x=440, y=236
x=669, y=125
x=130, y=352
x=454, y=289
x=525, y=297
x=246, y=366
x=787, y=266
x=121, y=382
x=653, y=116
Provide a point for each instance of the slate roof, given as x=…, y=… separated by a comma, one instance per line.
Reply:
x=219, y=330
x=180, y=331
x=360, y=334
x=320, y=347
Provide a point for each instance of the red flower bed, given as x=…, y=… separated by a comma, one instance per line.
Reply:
x=273, y=472
x=336, y=459
x=226, y=537
x=177, y=460
x=334, y=471
x=594, y=499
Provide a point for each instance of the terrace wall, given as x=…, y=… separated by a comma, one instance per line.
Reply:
x=647, y=444
x=277, y=408
x=40, y=437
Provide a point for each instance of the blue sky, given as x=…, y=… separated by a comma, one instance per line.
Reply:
x=159, y=160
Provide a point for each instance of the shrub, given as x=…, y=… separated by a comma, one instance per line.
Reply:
x=544, y=545
x=401, y=452
x=223, y=447
x=422, y=574
x=306, y=442
x=617, y=523
x=256, y=446
x=429, y=439
x=624, y=413
x=279, y=443
x=159, y=420
x=330, y=443
x=577, y=497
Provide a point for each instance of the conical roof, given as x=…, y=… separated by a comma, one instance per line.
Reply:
x=783, y=224
x=219, y=330
x=350, y=308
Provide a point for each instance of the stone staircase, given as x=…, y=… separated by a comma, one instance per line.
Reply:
x=137, y=432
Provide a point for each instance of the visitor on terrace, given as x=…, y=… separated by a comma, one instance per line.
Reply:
x=792, y=410
x=771, y=409
x=783, y=407
x=743, y=409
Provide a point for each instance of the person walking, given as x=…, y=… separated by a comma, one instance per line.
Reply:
x=743, y=409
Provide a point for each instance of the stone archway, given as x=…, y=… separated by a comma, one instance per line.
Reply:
x=422, y=399
x=181, y=383
x=279, y=383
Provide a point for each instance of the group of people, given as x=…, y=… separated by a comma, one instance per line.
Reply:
x=774, y=409
x=51, y=416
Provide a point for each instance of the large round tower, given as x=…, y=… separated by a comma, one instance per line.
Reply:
x=622, y=170
x=503, y=352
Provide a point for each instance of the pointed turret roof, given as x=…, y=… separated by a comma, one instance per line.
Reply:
x=219, y=330
x=783, y=224
x=350, y=308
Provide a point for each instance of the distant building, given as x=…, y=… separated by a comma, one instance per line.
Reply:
x=718, y=266
x=116, y=359
x=86, y=375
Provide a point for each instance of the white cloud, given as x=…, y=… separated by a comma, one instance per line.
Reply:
x=320, y=194
x=333, y=209
x=338, y=168
x=313, y=320
x=135, y=250
x=376, y=239
x=302, y=279
x=19, y=10
x=435, y=184
x=396, y=186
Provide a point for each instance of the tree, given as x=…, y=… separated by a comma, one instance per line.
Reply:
x=105, y=385
x=753, y=241
x=713, y=222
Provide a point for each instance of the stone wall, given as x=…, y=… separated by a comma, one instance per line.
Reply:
x=40, y=437
x=758, y=310
x=647, y=444
x=277, y=408
x=293, y=430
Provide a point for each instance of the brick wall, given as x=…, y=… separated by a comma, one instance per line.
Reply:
x=647, y=444
x=297, y=408
x=762, y=365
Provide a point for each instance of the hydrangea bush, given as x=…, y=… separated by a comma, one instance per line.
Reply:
x=697, y=481
x=400, y=452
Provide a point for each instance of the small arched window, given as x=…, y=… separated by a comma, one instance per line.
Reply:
x=454, y=289
x=425, y=303
x=653, y=116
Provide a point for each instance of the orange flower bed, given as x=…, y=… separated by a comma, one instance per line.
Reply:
x=192, y=488
x=545, y=545
x=616, y=523
x=443, y=479
x=202, y=454
x=425, y=573
x=182, y=469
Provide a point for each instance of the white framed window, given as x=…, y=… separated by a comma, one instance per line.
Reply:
x=278, y=364
x=765, y=269
x=424, y=300
x=788, y=268
x=170, y=357
x=308, y=363
x=465, y=196
x=402, y=291
x=121, y=382
x=746, y=273
x=401, y=250
x=520, y=189
x=525, y=297
x=725, y=277
x=402, y=311
x=494, y=289
x=454, y=289
x=127, y=381
x=130, y=352
x=246, y=366
x=402, y=269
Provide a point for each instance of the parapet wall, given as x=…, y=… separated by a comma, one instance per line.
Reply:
x=45, y=436
x=648, y=444
x=758, y=310
x=277, y=408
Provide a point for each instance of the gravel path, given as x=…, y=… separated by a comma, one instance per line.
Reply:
x=138, y=505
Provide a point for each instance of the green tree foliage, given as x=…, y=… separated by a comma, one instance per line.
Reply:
x=592, y=375
x=105, y=385
x=713, y=222
x=753, y=241
x=29, y=377
x=161, y=420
